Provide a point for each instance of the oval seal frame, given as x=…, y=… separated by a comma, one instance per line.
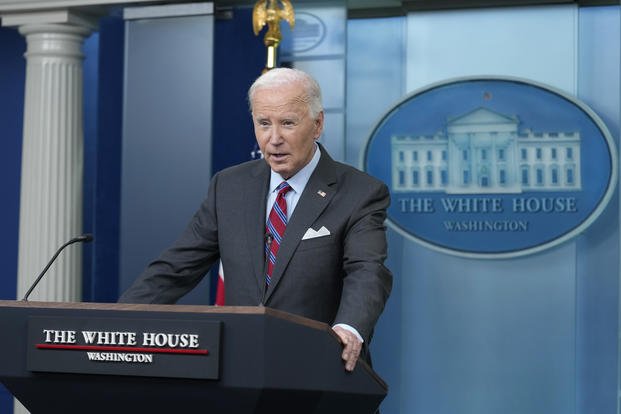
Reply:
x=310, y=32
x=492, y=167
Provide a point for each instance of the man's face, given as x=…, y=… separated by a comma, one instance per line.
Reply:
x=284, y=129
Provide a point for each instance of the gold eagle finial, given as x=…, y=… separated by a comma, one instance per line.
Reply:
x=268, y=12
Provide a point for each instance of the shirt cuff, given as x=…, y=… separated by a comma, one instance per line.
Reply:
x=350, y=329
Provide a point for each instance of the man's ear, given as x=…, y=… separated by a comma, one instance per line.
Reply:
x=319, y=125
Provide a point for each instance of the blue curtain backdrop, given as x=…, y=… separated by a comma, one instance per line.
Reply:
x=12, y=76
x=239, y=57
x=103, y=97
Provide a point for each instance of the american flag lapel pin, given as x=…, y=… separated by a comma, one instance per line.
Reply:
x=321, y=193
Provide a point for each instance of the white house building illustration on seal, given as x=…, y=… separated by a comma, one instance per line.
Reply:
x=483, y=152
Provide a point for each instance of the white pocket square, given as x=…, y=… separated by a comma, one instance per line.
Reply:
x=311, y=234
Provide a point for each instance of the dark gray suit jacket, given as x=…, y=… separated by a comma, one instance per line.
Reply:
x=339, y=278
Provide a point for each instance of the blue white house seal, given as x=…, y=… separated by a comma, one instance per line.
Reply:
x=492, y=167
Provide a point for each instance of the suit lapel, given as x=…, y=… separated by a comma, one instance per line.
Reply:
x=314, y=199
x=255, y=194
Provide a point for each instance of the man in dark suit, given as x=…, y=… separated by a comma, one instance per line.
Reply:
x=324, y=240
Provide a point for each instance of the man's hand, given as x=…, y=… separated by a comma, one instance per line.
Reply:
x=351, y=347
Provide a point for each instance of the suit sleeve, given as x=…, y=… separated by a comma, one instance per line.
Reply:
x=367, y=282
x=182, y=266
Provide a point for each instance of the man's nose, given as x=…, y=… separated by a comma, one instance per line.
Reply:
x=275, y=137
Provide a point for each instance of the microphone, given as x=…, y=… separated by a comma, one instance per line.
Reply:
x=268, y=245
x=84, y=238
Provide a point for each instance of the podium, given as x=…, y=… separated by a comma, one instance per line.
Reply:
x=122, y=358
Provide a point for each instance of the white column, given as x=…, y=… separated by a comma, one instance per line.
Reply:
x=52, y=161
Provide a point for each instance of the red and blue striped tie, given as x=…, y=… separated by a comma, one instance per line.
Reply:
x=275, y=228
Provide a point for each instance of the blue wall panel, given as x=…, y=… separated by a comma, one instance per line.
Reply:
x=597, y=299
x=166, y=152
x=375, y=57
x=536, y=334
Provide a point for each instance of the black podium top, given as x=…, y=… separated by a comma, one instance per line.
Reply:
x=124, y=358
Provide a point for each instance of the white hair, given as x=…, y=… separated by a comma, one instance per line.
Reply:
x=283, y=76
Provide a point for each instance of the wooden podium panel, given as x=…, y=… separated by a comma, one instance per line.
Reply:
x=267, y=362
